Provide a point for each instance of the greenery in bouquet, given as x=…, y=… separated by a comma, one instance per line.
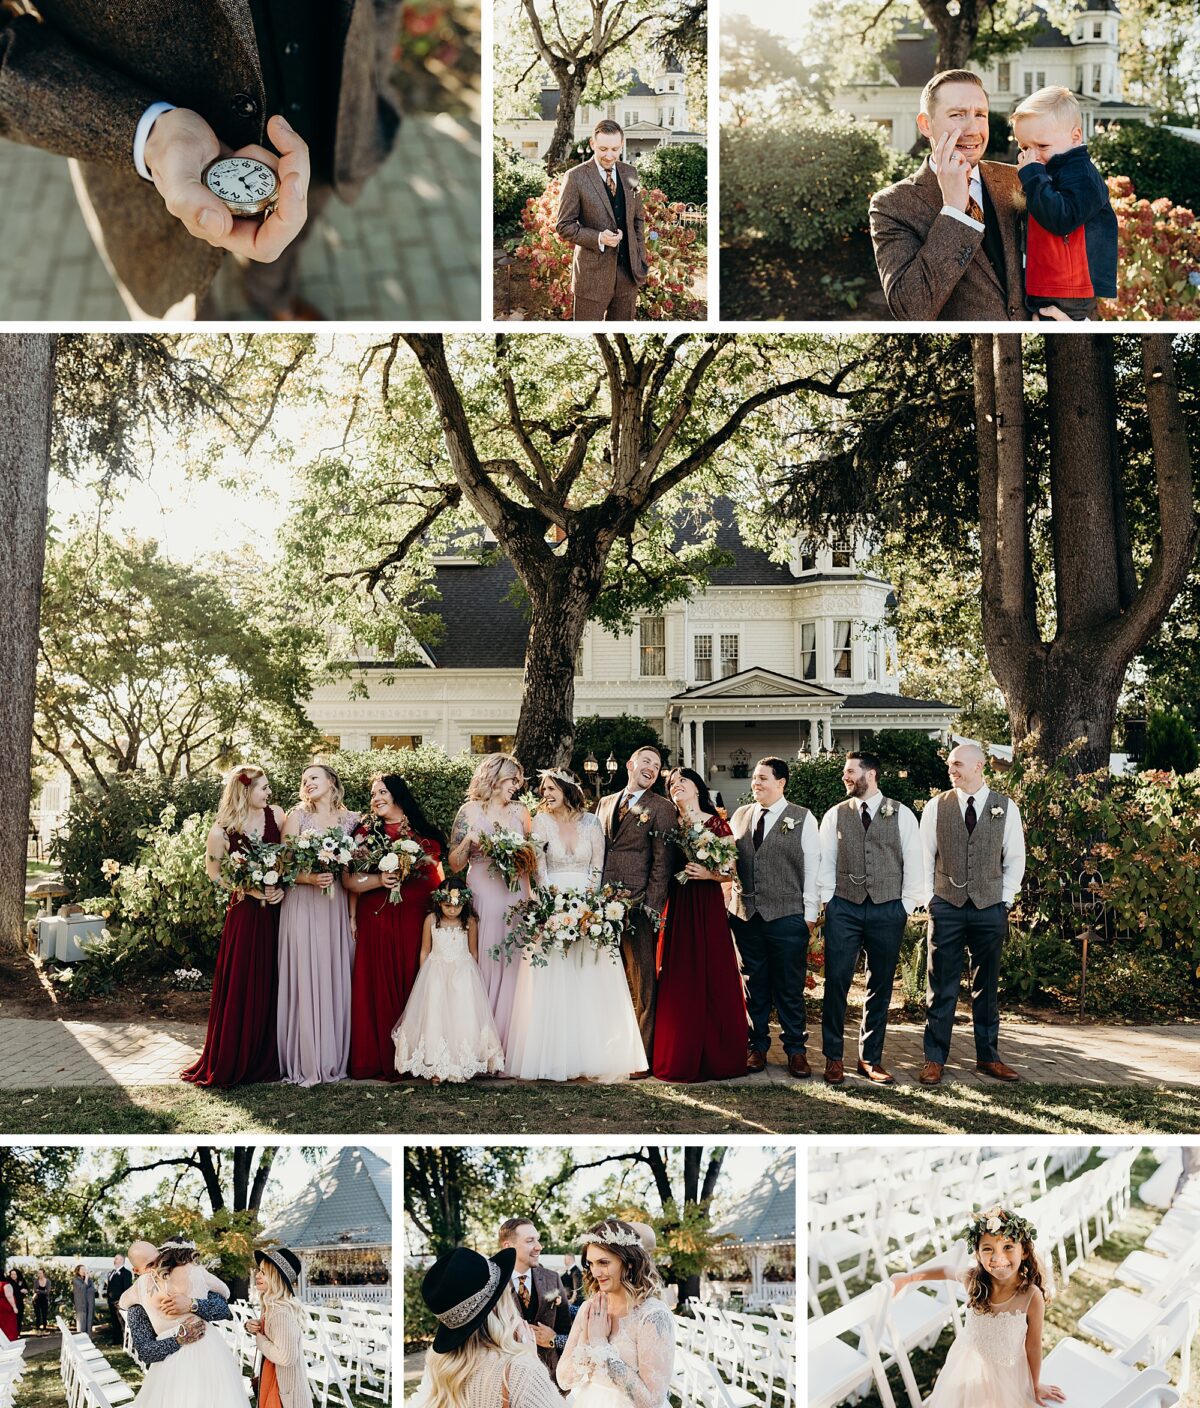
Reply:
x=375, y=850
x=257, y=865
x=511, y=855
x=554, y=920
x=322, y=852
x=703, y=846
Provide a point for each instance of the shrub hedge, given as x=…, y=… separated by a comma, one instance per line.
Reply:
x=682, y=170
x=1160, y=164
x=514, y=180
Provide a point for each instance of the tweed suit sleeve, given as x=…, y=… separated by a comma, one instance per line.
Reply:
x=568, y=222
x=56, y=96
x=660, y=859
x=918, y=271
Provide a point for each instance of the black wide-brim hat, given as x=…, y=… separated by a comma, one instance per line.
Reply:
x=284, y=1260
x=462, y=1288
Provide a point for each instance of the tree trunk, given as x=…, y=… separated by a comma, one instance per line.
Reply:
x=1069, y=688
x=570, y=93
x=26, y=410
x=956, y=33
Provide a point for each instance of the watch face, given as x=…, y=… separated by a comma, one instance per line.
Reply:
x=242, y=182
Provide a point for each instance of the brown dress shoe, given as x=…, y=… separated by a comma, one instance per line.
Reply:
x=997, y=1070
x=798, y=1065
x=835, y=1071
x=639, y=1075
x=931, y=1073
x=755, y=1061
x=876, y=1074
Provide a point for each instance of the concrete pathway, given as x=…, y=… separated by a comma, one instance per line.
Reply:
x=409, y=247
x=39, y=1054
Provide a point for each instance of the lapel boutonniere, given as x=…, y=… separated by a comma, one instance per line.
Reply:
x=642, y=815
x=887, y=809
x=788, y=823
x=996, y=811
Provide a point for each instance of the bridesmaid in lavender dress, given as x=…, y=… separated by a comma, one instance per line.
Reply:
x=497, y=780
x=316, y=948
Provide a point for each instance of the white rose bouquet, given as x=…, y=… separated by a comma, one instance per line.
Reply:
x=316, y=852
x=555, y=920
x=511, y=854
x=375, y=850
x=703, y=846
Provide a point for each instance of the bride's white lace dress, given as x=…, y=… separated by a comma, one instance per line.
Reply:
x=633, y=1368
x=987, y=1363
x=205, y=1374
x=574, y=1017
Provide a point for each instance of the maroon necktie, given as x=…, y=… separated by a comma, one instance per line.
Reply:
x=866, y=816
x=758, y=830
x=970, y=817
x=610, y=181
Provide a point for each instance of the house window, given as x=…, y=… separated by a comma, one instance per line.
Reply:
x=1097, y=29
x=1034, y=80
x=395, y=740
x=632, y=117
x=653, y=654
x=872, y=654
x=1079, y=78
x=808, y=650
x=843, y=555
x=484, y=743
x=729, y=656
x=670, y=122
x=1004, y=76
x=808, y=562
x=327, y=743
x=841, y=651
x=702, y=655
x=1096, y=72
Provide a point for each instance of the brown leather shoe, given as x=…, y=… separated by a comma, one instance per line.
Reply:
x=997, y=1070
x=639, y=1075
x=755, y=1061
x=876, y=1074
x=835, y=1071
x=931, y=1073
x=798, y=1065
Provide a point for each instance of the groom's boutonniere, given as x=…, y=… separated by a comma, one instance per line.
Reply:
x=996, y=811
x=887, y=809
x=789, y=823
x=642, y=815
x=554, y=1298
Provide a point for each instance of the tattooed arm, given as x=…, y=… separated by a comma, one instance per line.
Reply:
x=461, y=837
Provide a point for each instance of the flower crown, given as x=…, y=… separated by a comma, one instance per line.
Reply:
x=452, y=891
x=998, y=1221
x=617, y=1238
x=559, y=775
x=178, y=1244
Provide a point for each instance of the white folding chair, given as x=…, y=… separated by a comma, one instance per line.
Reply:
x=839, y=1372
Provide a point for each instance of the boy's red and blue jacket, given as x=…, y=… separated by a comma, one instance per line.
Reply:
x=1071, y=244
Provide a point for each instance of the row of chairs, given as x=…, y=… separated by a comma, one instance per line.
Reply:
x=12, y=1366
x=89, y=1380
x=731, y=1359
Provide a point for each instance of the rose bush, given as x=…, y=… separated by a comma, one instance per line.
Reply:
x=1158, y=258
x=673, y=255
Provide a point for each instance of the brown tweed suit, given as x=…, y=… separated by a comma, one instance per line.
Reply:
x=77, y=83
x=547, y=1306
x=583, y=211
x=640, y=862
x=934, y=266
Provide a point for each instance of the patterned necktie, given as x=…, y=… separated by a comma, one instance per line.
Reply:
x=610, y=180
x=523, y=1291
x=974, y=209
x=970, y=817
x=866, y=815
x=623, y=809
x=759, y=829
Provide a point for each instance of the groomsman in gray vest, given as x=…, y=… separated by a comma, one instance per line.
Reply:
x=777, y=862
x=872, y=877
x=974, y=863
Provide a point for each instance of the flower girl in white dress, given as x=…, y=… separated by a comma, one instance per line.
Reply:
x=549, y=1038
x=621, y=1349
x=446, y=1031
x=996, y=1359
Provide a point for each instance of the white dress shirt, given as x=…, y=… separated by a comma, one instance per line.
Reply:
x=810, y=845
x=913, y=894
x=142, y=134
x=976, y=188
x=1012, y=855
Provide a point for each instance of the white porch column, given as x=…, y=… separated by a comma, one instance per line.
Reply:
x=814, y=737
x=699, y=759
x=686, y=731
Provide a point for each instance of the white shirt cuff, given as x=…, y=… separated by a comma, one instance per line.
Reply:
x=963, y=216
x=142, y=134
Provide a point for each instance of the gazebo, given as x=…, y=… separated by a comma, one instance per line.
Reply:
x=341, y=1225
x=762, y=1229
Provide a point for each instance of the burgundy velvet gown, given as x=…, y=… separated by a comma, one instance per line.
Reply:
x=700, y=1012
x=387, y=950
x=240, y=1046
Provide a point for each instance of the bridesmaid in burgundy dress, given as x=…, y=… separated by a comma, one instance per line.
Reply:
x=700, y=1012
x=240, y=1043
x=388, y=936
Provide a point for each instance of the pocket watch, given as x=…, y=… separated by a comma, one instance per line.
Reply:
x=247, y=186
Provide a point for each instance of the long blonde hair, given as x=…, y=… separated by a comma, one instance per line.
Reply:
x=277, y=1298
x=233, y=810
x=449, y=1375
x=486, y=777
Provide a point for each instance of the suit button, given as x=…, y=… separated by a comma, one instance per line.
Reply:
x=244, y=105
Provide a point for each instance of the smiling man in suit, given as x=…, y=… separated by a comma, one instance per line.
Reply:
x=540, y=1296
x=947, y=239
x=143, y=94
x=600, y=213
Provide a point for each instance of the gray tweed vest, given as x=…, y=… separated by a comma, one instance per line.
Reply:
x=870, y=862
x=970, y=867
x=771, y=879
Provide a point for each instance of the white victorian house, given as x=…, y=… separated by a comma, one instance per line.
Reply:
x=771, y=658
x=1087, y=60
x=653, y=112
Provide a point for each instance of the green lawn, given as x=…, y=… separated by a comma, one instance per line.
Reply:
x=1085, y=1288
x=502, y=1108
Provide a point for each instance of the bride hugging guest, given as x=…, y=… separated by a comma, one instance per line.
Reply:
x=700, y=1014
x=490, y=807
x=388, y=934
x=621, y=1349
x=447, y=1032
x=282, y=1377
x=482, y=1354
x=546, y=1039
x=240, y=1042
x=316, y=949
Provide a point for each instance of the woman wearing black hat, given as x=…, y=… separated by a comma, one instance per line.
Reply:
x=481, y=1356
x=283, y=1378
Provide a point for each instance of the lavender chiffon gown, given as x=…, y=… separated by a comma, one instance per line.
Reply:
x=316, y=958
x=491, y=899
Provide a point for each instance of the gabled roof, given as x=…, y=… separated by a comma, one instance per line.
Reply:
x=757, y=683
x=767, y=1213
x=548, y=97
x=348, y=1203
x=912, y=56
x=874, y=699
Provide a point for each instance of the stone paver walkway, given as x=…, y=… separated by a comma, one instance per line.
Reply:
x=408, y=249
x=40, y=1054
